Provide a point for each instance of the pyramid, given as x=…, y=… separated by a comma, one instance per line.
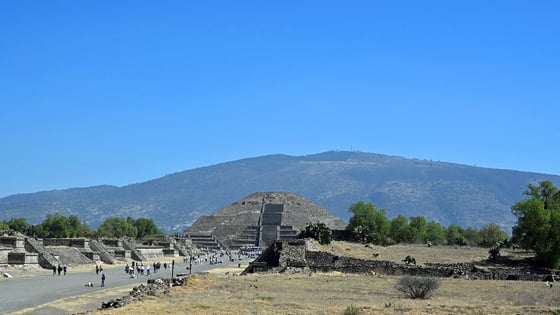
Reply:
x=261, y=218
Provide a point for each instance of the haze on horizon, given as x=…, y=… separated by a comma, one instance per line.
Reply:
x=120, y=93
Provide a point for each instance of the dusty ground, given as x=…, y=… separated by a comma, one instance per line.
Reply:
x=335, y=293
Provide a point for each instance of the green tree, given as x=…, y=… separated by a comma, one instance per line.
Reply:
x=417, y=226
x=116, y=227
x=19, y=225
x=472, y=237
x=320, y=232
x=368, y=223
x=54, y=226
x=399, y=230
x=435, y=233
x=491, y=234
x=538, y=223
x=454, y=235
x=145, y=227
x=79, y=228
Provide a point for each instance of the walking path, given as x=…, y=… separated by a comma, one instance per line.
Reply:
x=26, y=291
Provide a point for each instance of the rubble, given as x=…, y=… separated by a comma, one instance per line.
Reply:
x=153, y=287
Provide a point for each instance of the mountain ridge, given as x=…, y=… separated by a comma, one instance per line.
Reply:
x=441, y=191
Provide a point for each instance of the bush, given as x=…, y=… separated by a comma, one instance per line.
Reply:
x=418, y=287
x=352, y=310
x=409, y=260
x=320, y=232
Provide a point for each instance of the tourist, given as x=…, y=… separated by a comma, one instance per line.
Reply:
x=96, y=269
x=102, y=279
x=59, y=269
x=54, y=270
x=65, y=268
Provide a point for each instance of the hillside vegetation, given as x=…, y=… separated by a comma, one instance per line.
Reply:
x=443, y=192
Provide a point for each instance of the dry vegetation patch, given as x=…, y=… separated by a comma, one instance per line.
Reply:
x=333, y=293
x=396, y=253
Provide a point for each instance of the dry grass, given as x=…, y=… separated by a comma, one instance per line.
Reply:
x=332, y=293
x=335, y=293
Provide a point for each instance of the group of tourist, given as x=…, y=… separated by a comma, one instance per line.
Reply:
x=59, y=269
x=138, y=268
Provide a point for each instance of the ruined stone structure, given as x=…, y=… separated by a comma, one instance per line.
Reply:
x=49, y=253
x=259, y=220
x=300, y=256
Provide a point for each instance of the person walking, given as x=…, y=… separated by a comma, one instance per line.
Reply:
x=102, y=279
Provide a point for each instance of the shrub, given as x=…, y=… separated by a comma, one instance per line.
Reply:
x=352, y=310
x=320, y=232
x=409, y=260
x=418, y=287
x=363, y=234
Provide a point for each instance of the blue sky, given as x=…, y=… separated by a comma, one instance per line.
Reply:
x=119, y=92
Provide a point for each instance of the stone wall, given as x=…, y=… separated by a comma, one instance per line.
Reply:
x=70, y=242
x=4, y=255
x=12, y=242
x=289, y=255
x=22, y=258
x=293, y=254
x=150, y=252
x=170, y=252
x=111, y=242
x=121, y=254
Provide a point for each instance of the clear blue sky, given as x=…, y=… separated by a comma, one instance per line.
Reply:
x=119, y=92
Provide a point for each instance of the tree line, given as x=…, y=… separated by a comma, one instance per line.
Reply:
x=60, y=226
x=371, y=225
x=537, y=227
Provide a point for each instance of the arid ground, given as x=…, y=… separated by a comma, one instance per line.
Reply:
x=335, y=293
x=223, y=291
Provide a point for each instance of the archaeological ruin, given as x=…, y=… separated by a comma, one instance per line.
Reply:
x=50, y=252
x=258, y=220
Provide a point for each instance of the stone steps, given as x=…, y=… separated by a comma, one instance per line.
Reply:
x=69, y=255
x=46, y=259
x=134, y=253
x=105, y=256
x=205, y=241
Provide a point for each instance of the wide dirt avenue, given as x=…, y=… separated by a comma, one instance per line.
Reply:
x=32, y=292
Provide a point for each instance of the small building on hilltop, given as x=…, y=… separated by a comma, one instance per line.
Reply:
x=259, y=220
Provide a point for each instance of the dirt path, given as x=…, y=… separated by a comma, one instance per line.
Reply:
x=39, y=292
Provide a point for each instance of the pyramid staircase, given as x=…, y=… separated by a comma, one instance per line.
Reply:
x=208, y=241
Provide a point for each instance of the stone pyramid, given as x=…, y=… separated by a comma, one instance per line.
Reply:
x=261, y=218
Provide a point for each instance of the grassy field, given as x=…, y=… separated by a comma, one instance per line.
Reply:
x=336, y=293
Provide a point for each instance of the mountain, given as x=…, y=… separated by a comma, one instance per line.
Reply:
x=444, y=192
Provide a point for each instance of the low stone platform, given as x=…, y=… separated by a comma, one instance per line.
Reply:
x=290, y=256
